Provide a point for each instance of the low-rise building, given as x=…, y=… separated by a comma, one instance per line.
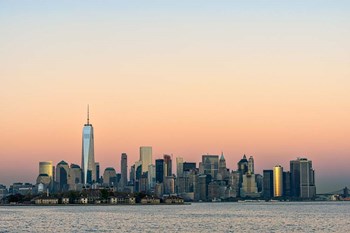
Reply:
x=65, y=200
x=150, y=200
x=46, y=201
x=81, y=200
x=173, y=200
x=112, y=200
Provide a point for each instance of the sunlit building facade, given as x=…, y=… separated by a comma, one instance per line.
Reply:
x=88, y=157
x=278, y=181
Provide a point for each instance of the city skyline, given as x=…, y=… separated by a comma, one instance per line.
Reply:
x=265, y=78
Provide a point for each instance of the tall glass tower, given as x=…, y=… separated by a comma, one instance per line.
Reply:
x=88, y=158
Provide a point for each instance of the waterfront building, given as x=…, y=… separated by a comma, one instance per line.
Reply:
x=201, y=188
x=179, y=166
x=88, y=155
x=168, y=165
x=210, y=165
x=249, y=187
x=268, y=184
x=213, y=190
x=302, y=178
x=62, y=170
x=3, y=191
x=145, y=157
x=234, y=183
x=259, y=182
x=109, y=177
x=278, y=181
x=286, y=184
x=22, y=188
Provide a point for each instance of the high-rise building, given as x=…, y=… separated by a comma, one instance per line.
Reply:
x=168, y=165
x=46, y=168
x=278, y=181
x=97, y=169
x=188, y=166
x=62, y=170
x=179, y=166
x=222, y=168
x=145, y=157
x=160, y=171
x=249, y=187
x=110, y=177
x=286, y=184
x=251, y=165
x=88, y=157
x=151, y=176
x=302, y=178
x=124, y=169
x=210, y=164
x=132, y=174
x=75, y=177
x=268, y=184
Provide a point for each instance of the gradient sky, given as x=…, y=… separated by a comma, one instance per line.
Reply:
x=264, y=78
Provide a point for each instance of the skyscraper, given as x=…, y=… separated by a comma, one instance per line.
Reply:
x=124, y=169
x=97, y=169
x=62, y=170
x=46, y=168
x=160, y=171
x=222, y=168
x=278, y=181
x=268, y=184
x=179, y=166
x=210, y=164
x=302, y=178
x=145, y=157
x=251, y=165
x=88, y=157
x=168, y=165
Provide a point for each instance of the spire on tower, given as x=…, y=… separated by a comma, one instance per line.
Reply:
x=88, y=114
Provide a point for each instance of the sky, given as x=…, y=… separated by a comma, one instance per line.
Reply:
x=269, y=79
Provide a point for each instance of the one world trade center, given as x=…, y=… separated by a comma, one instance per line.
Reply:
x=88, y=158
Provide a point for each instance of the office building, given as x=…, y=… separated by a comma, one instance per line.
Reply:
x=62, y=170
x=109, y=177
x=187, y=166
x=302, y=179
x=168, y=165
x=124, y=169
x=268, y=184
x=278, y=181
x=210, y=165
x=160, y=171
x=179, y=166
x=145, y=157
x=88, y=157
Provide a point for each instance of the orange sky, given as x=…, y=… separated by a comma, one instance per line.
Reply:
x=271, y=81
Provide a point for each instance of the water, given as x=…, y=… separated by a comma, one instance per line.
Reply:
x=198, y=217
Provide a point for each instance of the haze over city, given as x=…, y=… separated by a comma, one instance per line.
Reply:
x=267, y=79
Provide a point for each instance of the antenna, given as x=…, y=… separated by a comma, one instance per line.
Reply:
x=88, y=114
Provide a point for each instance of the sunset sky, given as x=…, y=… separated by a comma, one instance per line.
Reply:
x=269, y=79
